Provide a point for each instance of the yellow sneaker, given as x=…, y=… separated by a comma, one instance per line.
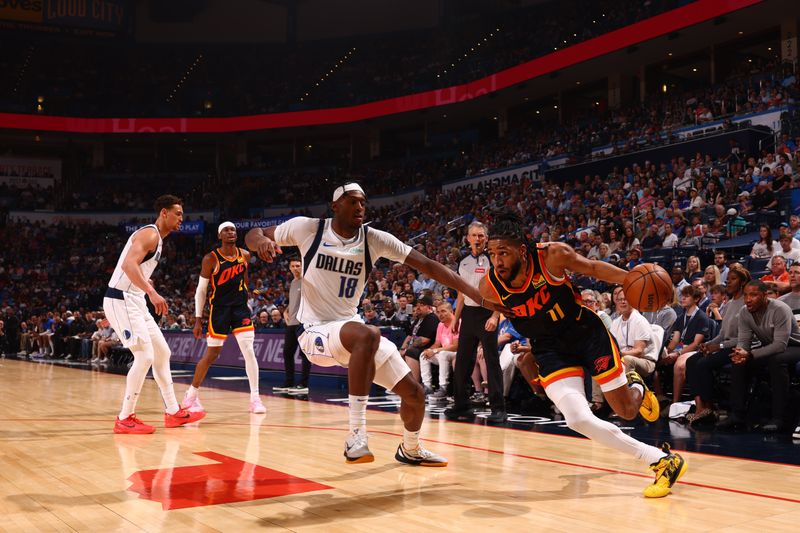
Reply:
x=669, y=469
x=649, y=409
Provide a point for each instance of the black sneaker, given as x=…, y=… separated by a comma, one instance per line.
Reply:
x=732, y=423
x=298, y=389
x=283, y=388
x=419, y=457
x=796, y=434
x=498, y=416
x=454, y=413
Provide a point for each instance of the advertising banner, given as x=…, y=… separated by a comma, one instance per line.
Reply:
x=260, y=223
x=644, y=30
x=490, y=180
x=79, y=17
x=189, y=227
x=268, y=347
x=29, y=171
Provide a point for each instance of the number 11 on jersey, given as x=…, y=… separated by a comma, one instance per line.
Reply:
x=556, y=313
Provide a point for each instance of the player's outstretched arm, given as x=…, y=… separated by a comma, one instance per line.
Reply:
x=262, y=242
x=448, y=278
x=560, y=257
x=206, y=271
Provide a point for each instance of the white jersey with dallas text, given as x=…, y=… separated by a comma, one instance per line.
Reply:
x=335, y=273
x=119, y=280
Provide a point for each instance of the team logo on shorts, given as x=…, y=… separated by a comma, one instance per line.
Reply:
x=127, y=334
x=318, y=345
x=601, y=363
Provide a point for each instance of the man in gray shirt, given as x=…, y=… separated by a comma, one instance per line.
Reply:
x=716, y=353
x=290, y=335
x=792, y=299
x=773, y=324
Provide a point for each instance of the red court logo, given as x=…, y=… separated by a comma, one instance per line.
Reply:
x=228, y=481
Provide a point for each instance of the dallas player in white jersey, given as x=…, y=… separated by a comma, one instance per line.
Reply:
x=126, y=310
x=338, y=255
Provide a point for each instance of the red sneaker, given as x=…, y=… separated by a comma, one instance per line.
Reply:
x=132, y=426
x=182, y=417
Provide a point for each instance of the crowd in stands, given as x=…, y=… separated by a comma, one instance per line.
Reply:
x=53, y=276
x=643, y=125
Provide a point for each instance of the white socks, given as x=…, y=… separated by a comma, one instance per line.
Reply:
x=358, y=412
x=192, y=392
x=637, y=386
x=410, y=439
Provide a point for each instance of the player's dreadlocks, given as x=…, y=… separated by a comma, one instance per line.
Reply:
x=508, y=225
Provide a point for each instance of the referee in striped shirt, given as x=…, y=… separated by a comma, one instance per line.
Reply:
x=477, y=325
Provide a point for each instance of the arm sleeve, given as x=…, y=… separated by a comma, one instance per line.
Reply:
x=200, y=297
x=382, y=244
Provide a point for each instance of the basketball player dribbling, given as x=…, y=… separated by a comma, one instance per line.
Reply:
x=226, y=269
x=567, y=337
x=126, y=310
x=338, y=255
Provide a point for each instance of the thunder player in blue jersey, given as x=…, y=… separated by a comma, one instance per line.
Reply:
x=338, y=255
x=567, y=338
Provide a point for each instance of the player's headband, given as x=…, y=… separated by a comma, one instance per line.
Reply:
x=348, y=187
x=225, y=225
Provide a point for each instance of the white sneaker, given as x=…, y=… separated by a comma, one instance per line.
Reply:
x=356, y=449
x=256, y=407
x=192, y=404
x=796, y=434
x=419, y=457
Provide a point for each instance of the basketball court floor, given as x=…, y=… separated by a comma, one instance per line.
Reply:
x=62, y=468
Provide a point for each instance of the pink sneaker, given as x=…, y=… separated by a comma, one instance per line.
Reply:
x=132, y=426
x=181, y=417
x=192, y=404
x=256, y=407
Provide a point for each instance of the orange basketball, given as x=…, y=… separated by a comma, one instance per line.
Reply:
x=648, y=287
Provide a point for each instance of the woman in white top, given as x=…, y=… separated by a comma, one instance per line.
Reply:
x=765, y=247
x=695, y=200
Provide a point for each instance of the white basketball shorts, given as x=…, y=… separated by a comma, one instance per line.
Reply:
x=128, y=315
x=322, y=346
